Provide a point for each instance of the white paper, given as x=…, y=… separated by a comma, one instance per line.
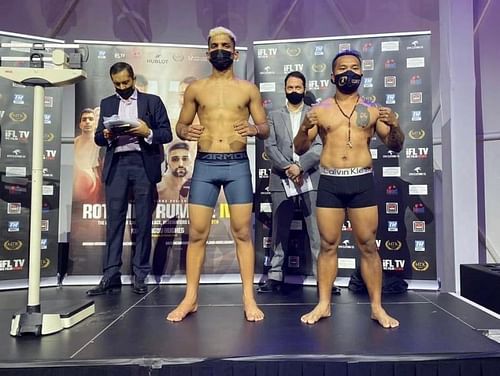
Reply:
x=292, y=189
x=116, y=123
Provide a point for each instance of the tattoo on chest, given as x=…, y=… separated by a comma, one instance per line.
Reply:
x=362, y=116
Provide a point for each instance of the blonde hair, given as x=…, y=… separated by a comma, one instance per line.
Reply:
x=221, y=30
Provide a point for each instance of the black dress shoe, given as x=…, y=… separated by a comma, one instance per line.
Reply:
x=139, y=287
x=107, y=286
x=271, y=285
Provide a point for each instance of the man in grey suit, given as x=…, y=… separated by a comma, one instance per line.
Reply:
x=290, y=169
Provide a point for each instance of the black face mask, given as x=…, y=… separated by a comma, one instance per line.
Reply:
x=125, y=93
x=347, y=82
x=221, y=59
x=294, y=97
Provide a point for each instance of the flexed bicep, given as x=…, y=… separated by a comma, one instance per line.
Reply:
x=189, y=106
x=387, y=128
x=185, y=129
x=258, y=113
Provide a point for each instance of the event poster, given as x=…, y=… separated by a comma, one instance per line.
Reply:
x=16, y=122
x=396, y=74
x=164, y=70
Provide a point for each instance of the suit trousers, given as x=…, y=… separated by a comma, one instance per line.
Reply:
x=128, y=175
x=283, y=208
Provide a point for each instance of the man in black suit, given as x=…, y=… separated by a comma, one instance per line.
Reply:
x=132, y=164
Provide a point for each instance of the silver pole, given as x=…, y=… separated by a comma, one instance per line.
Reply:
x=36, y=201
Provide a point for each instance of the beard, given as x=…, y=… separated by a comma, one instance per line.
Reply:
x=179, y=172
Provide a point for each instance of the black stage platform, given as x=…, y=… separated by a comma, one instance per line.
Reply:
x=440, y=334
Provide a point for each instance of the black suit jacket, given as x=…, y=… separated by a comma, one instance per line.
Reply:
x=151, y=110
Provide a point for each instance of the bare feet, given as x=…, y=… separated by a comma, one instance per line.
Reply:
x=252, y=311
x=386, y=321
x=319, y=312
x=181, y=311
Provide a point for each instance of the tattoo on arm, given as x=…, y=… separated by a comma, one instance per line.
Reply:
x=395, y=139
x=362, y=116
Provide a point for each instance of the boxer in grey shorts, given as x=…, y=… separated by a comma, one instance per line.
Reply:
x=215, y=170
x=224, y=105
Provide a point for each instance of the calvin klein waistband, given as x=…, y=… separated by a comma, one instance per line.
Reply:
x=341, y=172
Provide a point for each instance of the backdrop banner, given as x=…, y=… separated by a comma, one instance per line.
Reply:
x=397, y=74
x=164, y=70
x=16, y=122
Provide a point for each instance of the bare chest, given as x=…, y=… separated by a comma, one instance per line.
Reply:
x=229, y=97
x=360, y=118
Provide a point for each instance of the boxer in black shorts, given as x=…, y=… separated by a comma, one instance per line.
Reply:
x=346, y=123
x=346, y=188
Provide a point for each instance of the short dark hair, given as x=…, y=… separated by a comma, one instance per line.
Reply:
x=178, y=146
x=354, y=53
x=120, y=66
x=87, y=110
x=296, y=74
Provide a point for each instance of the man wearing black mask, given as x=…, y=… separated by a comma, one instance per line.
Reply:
x=223, y=104
x=346, y=124
x=288, y=169
x=132, y=165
